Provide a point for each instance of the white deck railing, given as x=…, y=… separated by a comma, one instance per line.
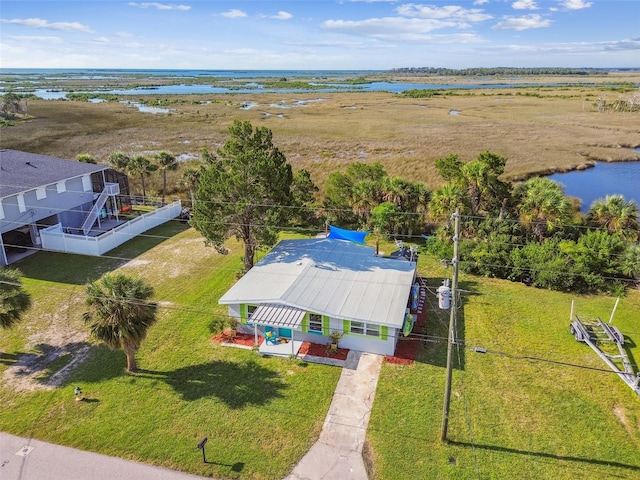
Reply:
x=54, y=238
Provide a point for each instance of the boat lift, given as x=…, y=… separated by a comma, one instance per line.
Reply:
x=594, y=334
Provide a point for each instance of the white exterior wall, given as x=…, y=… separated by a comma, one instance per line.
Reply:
x=364, y=343
x=43, y=202
x=53, y=238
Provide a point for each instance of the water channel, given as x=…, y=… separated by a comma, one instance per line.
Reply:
x=604, y=179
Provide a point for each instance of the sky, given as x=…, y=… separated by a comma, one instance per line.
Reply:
x=319, y=35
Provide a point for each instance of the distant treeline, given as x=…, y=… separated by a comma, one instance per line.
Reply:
x=466, y=72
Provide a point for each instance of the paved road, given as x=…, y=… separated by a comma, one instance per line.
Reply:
x=22, y=459
x=337, y=455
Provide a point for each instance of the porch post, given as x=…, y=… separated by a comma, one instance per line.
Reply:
x=293, y=348
x=255, y=334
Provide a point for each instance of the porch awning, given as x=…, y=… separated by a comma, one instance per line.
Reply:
x=278, y=315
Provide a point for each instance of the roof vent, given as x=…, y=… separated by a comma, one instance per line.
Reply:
x=31, y=164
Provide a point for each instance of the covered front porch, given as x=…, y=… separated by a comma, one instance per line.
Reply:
x=279, y=325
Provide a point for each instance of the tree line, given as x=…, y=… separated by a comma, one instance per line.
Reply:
x=529, y=232
x=490, y=71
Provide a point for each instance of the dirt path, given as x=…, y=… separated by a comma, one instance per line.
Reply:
x=53, y=352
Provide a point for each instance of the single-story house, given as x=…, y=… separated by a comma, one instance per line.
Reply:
x=307, y=289
x=63, y=205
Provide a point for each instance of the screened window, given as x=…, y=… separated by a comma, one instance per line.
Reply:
x=250, y=310
x=315, y=323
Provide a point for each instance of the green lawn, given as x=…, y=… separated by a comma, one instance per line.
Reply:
x=510, y=417
x=261, y=415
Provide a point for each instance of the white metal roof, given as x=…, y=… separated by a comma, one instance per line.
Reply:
x=330, y=277
x=278, y=315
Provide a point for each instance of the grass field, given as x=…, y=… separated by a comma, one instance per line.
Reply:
x=510, y=417
x=261, y=415
x=538, y=129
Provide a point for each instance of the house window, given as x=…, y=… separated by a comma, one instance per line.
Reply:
x=315, y=323
x=362, y=328
x=86, y=183
x=250, y=310
x=373, y=330
x=357, y=328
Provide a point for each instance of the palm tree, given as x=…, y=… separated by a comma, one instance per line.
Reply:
x=477, y=176
x=190, y=180
x=166, y=162
x=364, y=196
x=14, y=300
x=119, y=161
x=141, y=165
x=445, y=200
x=542, y=205
x=410, y=199
x=616, y=215
x=121, y=313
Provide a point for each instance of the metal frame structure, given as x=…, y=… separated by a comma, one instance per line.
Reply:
x=594, y=333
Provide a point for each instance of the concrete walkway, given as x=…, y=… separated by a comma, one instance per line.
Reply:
x=337, y=455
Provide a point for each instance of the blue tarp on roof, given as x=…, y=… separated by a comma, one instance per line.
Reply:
x=342, y=234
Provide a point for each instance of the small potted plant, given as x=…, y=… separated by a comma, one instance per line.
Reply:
x=335, y=337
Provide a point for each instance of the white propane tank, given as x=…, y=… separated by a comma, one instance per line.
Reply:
x=444, y=296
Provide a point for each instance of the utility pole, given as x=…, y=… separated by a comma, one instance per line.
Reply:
x=452, y=325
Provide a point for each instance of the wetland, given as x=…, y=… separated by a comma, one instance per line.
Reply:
x=541, y=125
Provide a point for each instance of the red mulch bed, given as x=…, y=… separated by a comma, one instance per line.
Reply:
x=307, y=348
x=237, y=339
x=406, y=352
x=407, y=348
x=318, y=350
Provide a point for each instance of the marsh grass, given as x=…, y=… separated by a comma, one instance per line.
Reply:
x=538, y=129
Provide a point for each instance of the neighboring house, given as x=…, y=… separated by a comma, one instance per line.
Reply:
x=306, y=289
x=63, y=205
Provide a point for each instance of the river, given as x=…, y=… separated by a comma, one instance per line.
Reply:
x=604, y=179
x=45, y=83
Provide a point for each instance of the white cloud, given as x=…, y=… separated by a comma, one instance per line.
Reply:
x=522, y=23
x=575, y=4
x=39, y=23
x=446, y=12
x=234, y=13
x=101, y=40
x=48, y=39
x=627, y=44
x=480, y=2
x=124, y=34
x=398, y=30
x=159, y=6
x=282, y=16
x=525, y=5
